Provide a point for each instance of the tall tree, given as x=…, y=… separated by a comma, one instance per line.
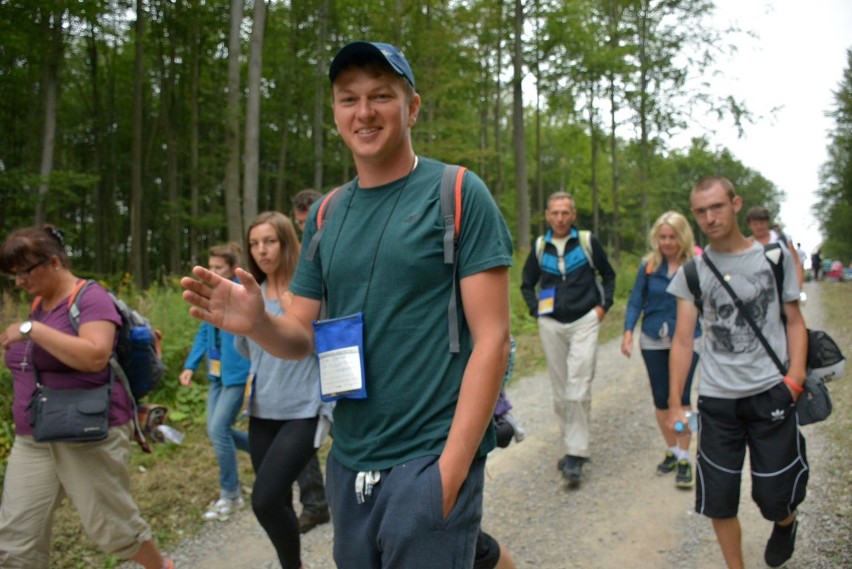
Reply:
x=318, y=130
x=233, y=205
x=833, y=209
x=52, y=23
x=252, y=151
x=138, y=242
x=522, y=222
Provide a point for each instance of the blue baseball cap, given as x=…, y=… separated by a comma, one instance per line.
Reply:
x=371, y=50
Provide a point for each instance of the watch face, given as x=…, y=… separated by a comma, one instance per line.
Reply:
x=26, y=327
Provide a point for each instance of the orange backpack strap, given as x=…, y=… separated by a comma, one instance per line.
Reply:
x=451, y=211
x=326, y=208
x=80, y=284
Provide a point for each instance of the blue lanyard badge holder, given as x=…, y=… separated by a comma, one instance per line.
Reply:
x=340, y=349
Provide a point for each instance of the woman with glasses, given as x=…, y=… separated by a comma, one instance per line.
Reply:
x=93, y=475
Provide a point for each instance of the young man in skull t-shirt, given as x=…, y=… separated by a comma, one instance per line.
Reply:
x=743, y=400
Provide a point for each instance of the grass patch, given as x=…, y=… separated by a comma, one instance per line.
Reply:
x=837, y=298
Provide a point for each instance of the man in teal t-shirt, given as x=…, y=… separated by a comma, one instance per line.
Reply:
x=406, y=470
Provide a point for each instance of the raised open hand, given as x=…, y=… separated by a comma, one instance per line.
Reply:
x=223, y=303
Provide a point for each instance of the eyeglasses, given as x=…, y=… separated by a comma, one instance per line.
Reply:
x=25, y=274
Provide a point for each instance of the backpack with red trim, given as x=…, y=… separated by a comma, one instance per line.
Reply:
x=137, y=359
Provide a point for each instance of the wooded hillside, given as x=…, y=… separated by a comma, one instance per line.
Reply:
x=151, y=129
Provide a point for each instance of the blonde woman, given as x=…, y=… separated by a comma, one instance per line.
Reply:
x=672, y=244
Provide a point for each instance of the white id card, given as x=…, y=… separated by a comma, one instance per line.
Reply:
x=340, y=371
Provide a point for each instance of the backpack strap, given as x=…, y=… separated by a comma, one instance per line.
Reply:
x=773, y=254
x=326, y=208
x=74, y=303
x=539, y=248
x=451, y=212
x=585, y=238
x=115, y=368
x=71, y=301
x=690, y=271
x=586, y=244
x=645, y=282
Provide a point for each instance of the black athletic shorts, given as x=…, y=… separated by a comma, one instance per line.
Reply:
x=766, y=423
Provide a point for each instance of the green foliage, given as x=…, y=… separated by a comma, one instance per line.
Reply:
x=833, y=208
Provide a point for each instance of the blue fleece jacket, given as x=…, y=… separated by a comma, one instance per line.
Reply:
x=235, y=367
x=649, y=297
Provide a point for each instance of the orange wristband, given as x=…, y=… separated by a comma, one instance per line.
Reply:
x=793, y=385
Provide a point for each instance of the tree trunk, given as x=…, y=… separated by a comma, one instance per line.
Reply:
x=613, y=143
x=102, y=205
x=593, y=137
x=319, y=94
x=522, y=221
x=252, y=151
x=194, y=137
x=53, y=25
x=233, y=210
x=137, y=232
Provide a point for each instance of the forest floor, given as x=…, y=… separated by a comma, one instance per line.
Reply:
x=623, y=515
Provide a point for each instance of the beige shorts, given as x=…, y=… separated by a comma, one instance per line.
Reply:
x=93, y=475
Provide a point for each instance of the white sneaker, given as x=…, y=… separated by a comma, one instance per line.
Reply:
x=222, y=508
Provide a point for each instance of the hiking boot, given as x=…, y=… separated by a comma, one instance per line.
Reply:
x=684, y=477
x=668, y=465
x=781, y=544
x=222, y=508
x=572, y=469
x=310, y=520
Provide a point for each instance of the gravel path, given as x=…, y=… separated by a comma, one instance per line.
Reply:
x=624, y=516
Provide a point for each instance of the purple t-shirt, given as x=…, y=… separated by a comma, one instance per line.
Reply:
x=95, y=304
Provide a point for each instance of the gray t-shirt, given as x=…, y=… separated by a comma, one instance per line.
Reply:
x=283, y=389
x=734, y=364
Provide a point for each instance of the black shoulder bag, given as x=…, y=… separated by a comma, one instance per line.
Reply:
x=70, y=414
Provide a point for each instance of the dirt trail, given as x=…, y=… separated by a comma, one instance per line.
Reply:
x=624, y=516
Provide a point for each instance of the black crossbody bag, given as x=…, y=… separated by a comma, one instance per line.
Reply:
x=69, y=414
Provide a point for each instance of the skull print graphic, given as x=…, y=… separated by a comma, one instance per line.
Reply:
x=728, y=330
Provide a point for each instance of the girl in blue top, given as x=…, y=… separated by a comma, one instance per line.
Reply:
x=672, y=244
x=227, y=371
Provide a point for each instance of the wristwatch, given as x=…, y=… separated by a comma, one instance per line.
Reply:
x=26, y=328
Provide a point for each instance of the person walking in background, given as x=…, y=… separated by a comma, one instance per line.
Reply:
x=311, y=488
x=743, y=400
x=816, y=263
x=39, y=475
x=227, y=371
x=758, y=222
x=672, y=244
x=302, y=203
x=802, y=255
x=570, y=306
x=415, y=428
x=286, y=416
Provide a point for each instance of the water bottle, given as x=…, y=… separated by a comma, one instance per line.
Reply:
x=139, y=370
x=691, y=422
x=171, y=434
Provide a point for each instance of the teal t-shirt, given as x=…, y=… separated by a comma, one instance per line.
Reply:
x=382, y=253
